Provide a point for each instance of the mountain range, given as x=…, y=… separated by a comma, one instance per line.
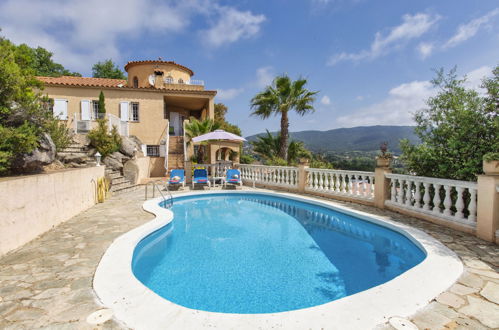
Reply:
x=361, y=138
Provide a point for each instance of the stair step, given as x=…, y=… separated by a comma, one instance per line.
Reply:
x=126, y=189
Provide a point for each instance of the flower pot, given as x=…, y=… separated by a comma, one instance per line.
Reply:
x=383, y=162
x=491, y=167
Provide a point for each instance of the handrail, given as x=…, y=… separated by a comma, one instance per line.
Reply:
x=167, y=146
x=154, y=185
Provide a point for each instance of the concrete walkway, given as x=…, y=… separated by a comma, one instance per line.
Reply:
x=48, y=282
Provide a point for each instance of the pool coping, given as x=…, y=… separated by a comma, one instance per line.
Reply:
x=138, y=307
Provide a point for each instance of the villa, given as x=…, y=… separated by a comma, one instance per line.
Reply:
x=154, y=105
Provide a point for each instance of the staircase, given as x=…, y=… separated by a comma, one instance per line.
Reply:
x=76, y=154
x=176, y=153
x=118, y=182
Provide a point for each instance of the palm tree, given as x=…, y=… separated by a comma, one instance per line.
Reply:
x=199, y=127
x=281, y=97
x=268, y=146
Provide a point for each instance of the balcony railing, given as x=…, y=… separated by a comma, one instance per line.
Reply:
x=182, y=82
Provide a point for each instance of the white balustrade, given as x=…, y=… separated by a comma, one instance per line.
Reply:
x=341, y=183
x=458, y=203
x=279, y=176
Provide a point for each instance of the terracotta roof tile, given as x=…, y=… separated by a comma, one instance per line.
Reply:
x=83, y=81
x=112, y=83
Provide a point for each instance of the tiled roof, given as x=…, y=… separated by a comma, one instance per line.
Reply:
x=83, y=81
x=112, y=83
x=131, y=63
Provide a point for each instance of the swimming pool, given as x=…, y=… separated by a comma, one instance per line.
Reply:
x=251, y=253
x=138, y=307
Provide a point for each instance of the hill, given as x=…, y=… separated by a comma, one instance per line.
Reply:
x=362, y=138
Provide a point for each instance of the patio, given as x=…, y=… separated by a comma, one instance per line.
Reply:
x=48, y=282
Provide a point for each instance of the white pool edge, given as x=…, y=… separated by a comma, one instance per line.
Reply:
x=140, y=308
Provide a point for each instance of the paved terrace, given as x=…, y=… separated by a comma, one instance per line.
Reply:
x=48, y=282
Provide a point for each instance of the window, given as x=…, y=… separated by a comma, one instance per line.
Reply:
x=169, y=80
x=95, y=109
x=135, y=82
x=135, y=111
x=181, y=81
x=152, y=150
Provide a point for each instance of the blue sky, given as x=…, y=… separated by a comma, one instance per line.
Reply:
x=370, y=60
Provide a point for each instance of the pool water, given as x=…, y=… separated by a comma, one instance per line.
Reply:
x=254, y=253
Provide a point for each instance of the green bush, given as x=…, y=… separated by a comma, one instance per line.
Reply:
x=491, y=156
x=60, y=134
x=105, y=142
x=14, y=141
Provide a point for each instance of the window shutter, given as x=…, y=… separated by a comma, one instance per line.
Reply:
x=85, y=110
x=124, y=114
x=61, y=109
x=144, y=149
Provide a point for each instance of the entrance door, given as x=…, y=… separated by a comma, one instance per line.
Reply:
x=176, y=123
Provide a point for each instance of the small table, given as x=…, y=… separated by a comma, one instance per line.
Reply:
x=215, y=178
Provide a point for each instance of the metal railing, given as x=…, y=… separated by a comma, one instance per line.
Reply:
x=155, y=186
x=186, y=82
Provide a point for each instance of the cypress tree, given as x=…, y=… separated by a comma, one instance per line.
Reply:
x=102, y=103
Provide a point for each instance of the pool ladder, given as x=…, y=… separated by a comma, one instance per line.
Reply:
x=167, y=203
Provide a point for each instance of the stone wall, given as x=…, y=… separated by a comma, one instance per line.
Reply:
x=32, y=205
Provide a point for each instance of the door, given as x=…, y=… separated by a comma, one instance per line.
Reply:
x=176, y=123
x=124, y=111
x=85, y=110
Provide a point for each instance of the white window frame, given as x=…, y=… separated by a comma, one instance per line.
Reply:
x=134, y=115
x=94, y=109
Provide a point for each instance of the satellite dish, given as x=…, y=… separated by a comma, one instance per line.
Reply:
x=152, y=78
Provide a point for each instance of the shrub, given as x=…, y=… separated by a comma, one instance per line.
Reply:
x=105, y=142
x=60, y=133
x=16, y=140
x=491, y=156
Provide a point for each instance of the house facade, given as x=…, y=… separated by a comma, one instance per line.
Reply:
x=153, y=104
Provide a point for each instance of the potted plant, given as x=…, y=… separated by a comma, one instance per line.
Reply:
x=384, y=158
x=491, y=163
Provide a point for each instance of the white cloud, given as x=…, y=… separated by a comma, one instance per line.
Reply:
x=474, y=78
x=232, y=26
x=360, y=98
x=80, y=33
x=412, y=27
x=228, y=94
x=264, y=76
x=425, y=49
x=402, y=102
x=326, y=100
x=470, y=29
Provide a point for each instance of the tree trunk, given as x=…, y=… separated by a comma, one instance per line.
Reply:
x=283, y=148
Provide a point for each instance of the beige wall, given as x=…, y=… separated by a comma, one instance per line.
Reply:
x=143, y=71
x=151, y=126
x=31, y=205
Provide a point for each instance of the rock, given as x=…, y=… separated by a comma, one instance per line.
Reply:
x=400, y=323
x=131, y=171
x=35, y=160
x=430, y=320
x=471, y=280
x=450, y=299
x=81, y=139
x=115, y=161
x=485, y=312
x=56, y=165
x=77, y=158
x=491, y=292
x=138, y=144
x=128, y=146
x=462, y=289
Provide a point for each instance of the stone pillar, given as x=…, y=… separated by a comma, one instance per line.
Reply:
x=302, y=174
x=381, y=182
x=487, y=220
x=188, y=171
